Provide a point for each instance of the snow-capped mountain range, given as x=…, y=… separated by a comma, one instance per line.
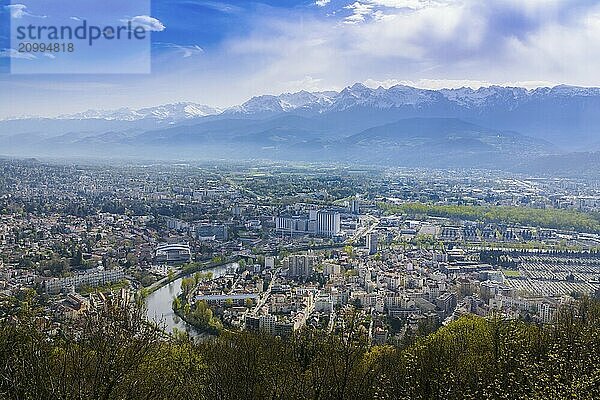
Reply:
x=357, y=95
x=360, y=95
x=399, y=125
x=175, y=112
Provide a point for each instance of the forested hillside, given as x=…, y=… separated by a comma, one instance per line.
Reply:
x=117, y=356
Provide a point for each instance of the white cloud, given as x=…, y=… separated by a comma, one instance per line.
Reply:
x=436, y=84
x=148, y=23
x=12, y=53
x=559, y=49
x=322, y=3
x=435, y=44
x=184, y=51
x=359, y=12
x=18, y=11
x=408, y=4
x=307, y=83
x=377, y=10
x=189, y=51
x=218, y=6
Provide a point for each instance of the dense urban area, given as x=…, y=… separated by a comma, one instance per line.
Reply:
x=337, y=279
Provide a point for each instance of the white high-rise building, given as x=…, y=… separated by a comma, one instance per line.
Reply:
x=317, y=222
x=328, y=223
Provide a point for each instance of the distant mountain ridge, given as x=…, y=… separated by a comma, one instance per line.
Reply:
x=493, y=127
x=174, y=112
x=357, y=95
x=402, y=95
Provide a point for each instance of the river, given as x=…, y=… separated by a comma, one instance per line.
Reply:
x=159, y=303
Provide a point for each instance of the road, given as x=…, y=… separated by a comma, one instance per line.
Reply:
x=372, y=223
x=264, y=297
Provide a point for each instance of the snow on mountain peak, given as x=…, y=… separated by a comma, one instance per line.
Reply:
x=566, y=90
x=357, y=95
x=172, y=112
x=483, y=96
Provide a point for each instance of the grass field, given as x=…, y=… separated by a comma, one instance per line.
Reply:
x=509, y=273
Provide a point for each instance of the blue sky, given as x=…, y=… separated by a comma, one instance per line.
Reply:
x=222, y=53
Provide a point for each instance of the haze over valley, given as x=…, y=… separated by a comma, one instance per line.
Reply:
x=491, y=127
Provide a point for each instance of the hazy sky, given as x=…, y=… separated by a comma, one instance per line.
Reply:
x=222, y=53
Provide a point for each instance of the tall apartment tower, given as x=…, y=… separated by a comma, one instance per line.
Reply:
x=301, y=266
x=372, y=239
x=328, y=223
x=355, y=207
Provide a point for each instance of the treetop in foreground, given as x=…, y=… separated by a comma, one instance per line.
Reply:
x=117, y=355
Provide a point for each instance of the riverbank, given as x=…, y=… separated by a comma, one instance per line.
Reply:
x=185, y=272
x=204, y=332
x=159, y=296
x=159, y=303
